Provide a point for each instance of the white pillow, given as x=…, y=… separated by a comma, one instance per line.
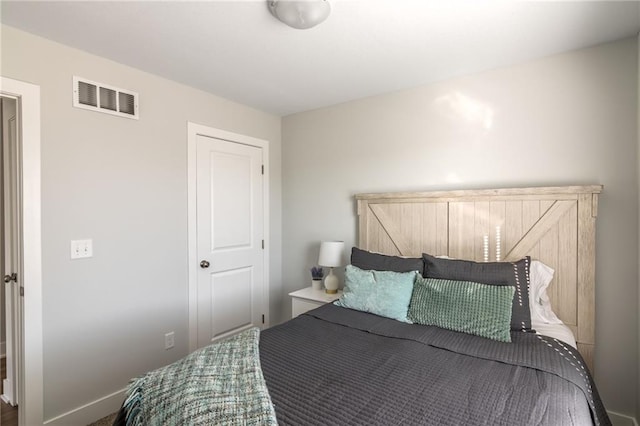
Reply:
x=539, y=304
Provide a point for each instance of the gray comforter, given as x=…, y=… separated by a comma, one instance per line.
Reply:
x=335, y=366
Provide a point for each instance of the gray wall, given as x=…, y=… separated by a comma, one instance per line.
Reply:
x=565, y=119
x=122, y=183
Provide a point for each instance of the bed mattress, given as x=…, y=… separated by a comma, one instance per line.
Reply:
x=555, y=331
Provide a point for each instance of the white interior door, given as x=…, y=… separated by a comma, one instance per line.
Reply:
x=230, y=238
x=11, y=233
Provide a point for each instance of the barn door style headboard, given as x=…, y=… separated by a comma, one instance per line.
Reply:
x=555, y=225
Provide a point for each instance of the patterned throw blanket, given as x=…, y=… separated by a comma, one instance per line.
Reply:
x=220, y=384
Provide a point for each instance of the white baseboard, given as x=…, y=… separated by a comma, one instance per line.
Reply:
x=90, y=412
x=621, y=420
x=7, y=394
x=5, y=399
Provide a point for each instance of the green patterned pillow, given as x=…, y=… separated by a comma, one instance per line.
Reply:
x=473, y=308
x=383, y=293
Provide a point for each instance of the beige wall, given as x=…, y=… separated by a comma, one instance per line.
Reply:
x=122, y=183
x=566, y=119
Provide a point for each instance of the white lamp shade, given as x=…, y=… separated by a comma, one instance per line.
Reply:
x=331, y=253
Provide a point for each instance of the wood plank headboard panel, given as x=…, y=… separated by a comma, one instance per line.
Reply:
x=553, y=224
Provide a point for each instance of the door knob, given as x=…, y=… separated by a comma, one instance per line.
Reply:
x=13, y=277
x=204, y=264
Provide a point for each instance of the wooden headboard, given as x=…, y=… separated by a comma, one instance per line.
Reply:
x=555, y=225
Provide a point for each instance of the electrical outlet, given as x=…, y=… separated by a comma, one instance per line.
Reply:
x=81, y=249
x=169, y=340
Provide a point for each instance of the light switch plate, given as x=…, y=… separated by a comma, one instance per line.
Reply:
x=169, y=340
x=81, y=249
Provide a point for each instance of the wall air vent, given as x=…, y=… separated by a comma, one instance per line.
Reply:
x=103, y=98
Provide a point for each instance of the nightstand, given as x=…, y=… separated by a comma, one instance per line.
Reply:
x=307, y=299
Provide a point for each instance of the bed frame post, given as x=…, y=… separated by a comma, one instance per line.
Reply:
x=587, y=211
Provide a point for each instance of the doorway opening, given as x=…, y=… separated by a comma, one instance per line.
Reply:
x=10, y=333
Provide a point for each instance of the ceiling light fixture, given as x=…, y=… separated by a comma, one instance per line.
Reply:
x=300, y=14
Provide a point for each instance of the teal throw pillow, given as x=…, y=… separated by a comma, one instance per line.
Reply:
x=469, y=307
x=383, y=293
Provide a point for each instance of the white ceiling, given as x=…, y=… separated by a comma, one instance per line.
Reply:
x=237, y=50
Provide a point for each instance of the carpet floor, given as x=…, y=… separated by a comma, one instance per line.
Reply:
x=105, y=421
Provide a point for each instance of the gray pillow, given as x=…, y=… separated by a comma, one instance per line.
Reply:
x=381, y=262
x=515, y=274
x=465, y=306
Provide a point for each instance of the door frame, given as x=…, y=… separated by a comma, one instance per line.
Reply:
x=193, y=131
x=30, y=408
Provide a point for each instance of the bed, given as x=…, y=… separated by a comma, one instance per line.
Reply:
x=342, y=366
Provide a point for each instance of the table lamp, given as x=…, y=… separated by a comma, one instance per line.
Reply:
x=331, y=257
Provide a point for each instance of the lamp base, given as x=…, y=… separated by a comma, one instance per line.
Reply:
x=331, y=283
